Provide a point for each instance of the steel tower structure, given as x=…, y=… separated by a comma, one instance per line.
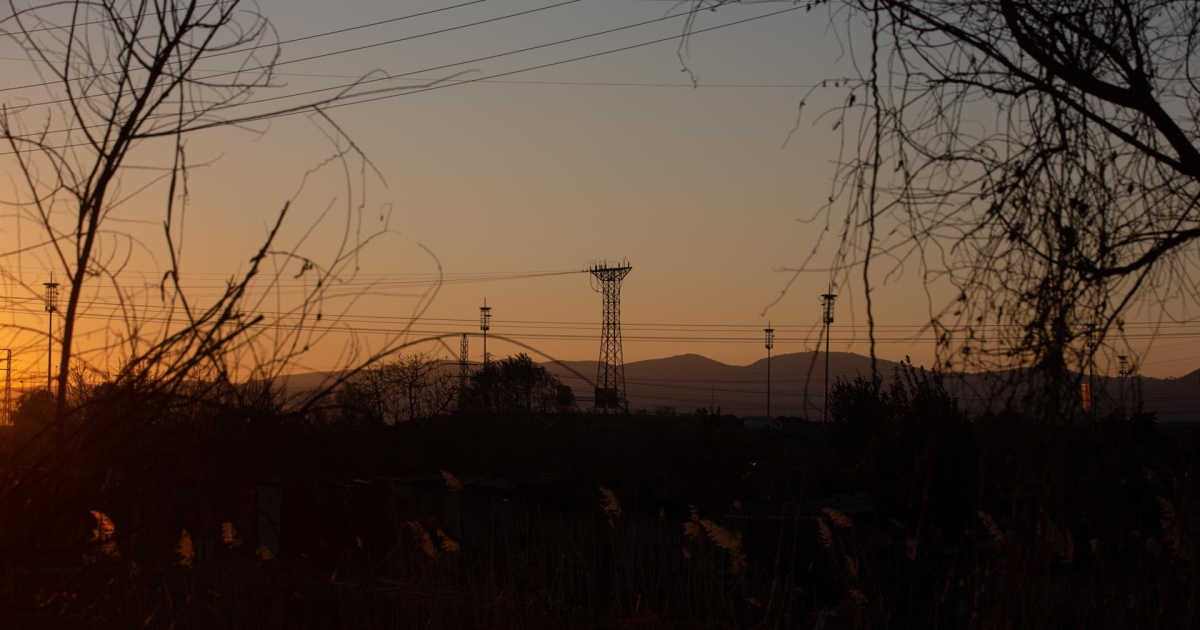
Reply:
x=610, y=372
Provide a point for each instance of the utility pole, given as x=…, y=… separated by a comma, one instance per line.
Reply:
x=485, y=323
x=1091, y=349
x=770, y=342
x=51, y=306
x=827, y=317
x=463, y=358
x=1124, y=371
x=610, y=371
x=8, y=386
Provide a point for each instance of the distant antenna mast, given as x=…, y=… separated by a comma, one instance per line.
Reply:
x=610, y=372
x=827, y=317
x=485, y=323
x=51, y=306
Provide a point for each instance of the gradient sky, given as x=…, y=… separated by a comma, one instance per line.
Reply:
x=612, y=157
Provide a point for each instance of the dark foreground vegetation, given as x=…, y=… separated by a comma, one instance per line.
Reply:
x=227, y=511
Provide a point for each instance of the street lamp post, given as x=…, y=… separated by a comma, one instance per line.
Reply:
x=1124, y=371
x=51, y=306
x=827, y=317
x=485, y=322
x=770, y=342
x=1091, y=346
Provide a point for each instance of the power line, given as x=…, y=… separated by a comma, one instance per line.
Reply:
x=318, y=56
x=75, y=26
x=829, y=84
x=750, y=330
x=389, y=93
x=339, y=103
x=334, y=324
x=239, y=50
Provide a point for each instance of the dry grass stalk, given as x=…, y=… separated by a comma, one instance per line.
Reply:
x=449, y=545
x=229, y=536
x=185, y=552
x=990, y=524
x=1173, y=531
x=825, y=534
x=264, y=554
x=102, y=537
x=612, y=507
x=1168, y=510
x=424, y=541
x=839, y=519
x=1060, y=540
x=727, y=540
x=851, y=566
x=104, y=529
x=452, y=482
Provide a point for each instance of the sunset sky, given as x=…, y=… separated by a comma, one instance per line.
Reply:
x=506, y=182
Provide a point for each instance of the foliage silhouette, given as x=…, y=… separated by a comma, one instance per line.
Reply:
x=915, y=442
x=408, y=387
x=515, y=385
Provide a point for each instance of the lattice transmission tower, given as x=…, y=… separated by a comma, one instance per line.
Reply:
x=610, y=373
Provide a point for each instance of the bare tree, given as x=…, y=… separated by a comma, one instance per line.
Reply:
x=426, y=384
x=407, y=387
x=1041, y=157
x=122, y=72
x=124, y=90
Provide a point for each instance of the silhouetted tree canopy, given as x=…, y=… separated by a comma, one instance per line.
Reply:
x=408, y=387
x=914, y=440
x=515, y=385
x=33, y=410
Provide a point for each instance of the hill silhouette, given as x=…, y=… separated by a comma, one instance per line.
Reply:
x=688, y=382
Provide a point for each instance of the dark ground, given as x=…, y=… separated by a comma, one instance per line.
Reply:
x=507, y=522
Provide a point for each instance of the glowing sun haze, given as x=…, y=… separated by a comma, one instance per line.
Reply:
x=493, y=184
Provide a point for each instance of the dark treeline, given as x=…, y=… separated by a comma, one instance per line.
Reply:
x=220, y=506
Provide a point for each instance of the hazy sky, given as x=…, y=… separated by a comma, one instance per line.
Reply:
x=617, y=156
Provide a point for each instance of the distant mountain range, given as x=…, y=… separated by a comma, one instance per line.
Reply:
x=689, y=382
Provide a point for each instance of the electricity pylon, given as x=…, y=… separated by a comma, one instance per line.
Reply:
x=610, y=372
